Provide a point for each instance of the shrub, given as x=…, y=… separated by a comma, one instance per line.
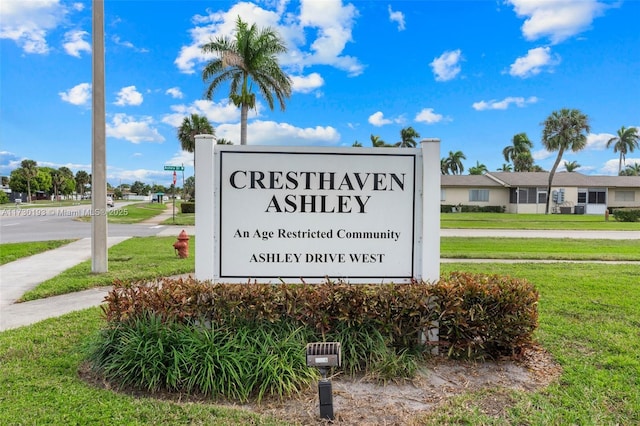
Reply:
x=4, y=198
x=486, y=315
x=187, y=207
x=627, y=215
x=239, y=340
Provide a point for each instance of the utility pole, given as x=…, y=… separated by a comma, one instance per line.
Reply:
x=98, y=145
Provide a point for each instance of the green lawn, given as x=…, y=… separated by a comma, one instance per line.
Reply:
x=137, y=258
x=589, y=321
x=14, y=251
x=538, y=248
x=534, y=221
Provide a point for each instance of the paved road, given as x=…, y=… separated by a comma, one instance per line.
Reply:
x=59, y=223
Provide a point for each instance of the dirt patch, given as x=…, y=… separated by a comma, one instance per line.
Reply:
x=363, y=402
x=358, y=401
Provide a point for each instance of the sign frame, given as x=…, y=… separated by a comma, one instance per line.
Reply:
x=238, y=186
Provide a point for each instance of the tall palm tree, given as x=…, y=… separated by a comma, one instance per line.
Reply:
x=191, y=126
x=223, y=141
x=564, y=130
x=506, y=167
x=624, y=143
x=519, y=153
x=408, y=137
x=571, y=166
x=250, y=57
x=29, y=171
x=454, y=162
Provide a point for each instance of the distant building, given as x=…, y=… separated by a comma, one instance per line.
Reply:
x=526, y=192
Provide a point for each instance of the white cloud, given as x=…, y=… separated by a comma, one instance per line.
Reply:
x=611, y=166
x=129, y=96
x=397, y=17
x=28, y=22
x=447, y=66
x=274, y=133
x=306, y=84
x=504, y=103
x=557, y=20
x=77, y=95
x=427, y=115
x=542, y=154
x=175, y=93
x=123, y=126
x=117, y=40
x=378, y=120
x=182, y=157
x=598, y=141
x=75, y=43
x=329, y=21
x=536, y=60
x=222, y=112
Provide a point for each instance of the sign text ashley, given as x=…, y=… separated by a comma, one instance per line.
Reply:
x=314, y=213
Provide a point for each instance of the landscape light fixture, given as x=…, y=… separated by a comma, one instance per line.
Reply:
x=323, y=356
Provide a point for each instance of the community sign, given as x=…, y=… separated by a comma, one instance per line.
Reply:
x=310, y=214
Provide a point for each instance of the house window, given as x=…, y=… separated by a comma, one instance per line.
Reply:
x=528, y=195
x=443, y=194
x=597, y=196
x=478, y=195
x=582, y=196
x=625, y=196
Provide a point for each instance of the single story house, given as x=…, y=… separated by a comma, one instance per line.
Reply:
x=526, y=192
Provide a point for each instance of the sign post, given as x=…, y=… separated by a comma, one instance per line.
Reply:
x=174, y=169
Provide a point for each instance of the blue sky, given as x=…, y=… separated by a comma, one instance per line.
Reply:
x=472, y=73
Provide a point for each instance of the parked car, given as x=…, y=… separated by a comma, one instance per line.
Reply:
x=110, y=202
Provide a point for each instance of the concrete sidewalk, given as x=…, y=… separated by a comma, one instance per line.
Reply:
x=24, y=274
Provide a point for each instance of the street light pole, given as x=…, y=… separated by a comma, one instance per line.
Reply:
x=98, y=142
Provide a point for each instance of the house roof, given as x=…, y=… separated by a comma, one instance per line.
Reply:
x=540, y=179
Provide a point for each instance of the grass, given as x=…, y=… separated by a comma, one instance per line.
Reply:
x=137, y=258
x=539, y=248
x=40, y=384
x=534, y=221
x=13, y=251
x=182, y=219
x=132, y=213
x=589, y=321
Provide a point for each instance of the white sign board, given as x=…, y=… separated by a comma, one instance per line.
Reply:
x=310, y=214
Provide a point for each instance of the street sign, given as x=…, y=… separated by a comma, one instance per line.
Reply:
x=174, y=168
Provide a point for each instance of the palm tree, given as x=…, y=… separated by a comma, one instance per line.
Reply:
x=250, y=57
x=29, y=171
x=506, y=167
x=444, y=166
x=357, y=144
x=58, y=179
x=377, y=142
x=624, y=143
x=82, y=179
x=564, y=129
x=519, y=153
x=454, y=162
x=191, y=126
x=631, y=170
x=408, y=138
x=223, y=141
x=478, y=169
x=571, y=166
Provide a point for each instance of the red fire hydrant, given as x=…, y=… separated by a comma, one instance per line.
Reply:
x=182, y=245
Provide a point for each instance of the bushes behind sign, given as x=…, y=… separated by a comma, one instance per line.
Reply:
x=232, y=328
